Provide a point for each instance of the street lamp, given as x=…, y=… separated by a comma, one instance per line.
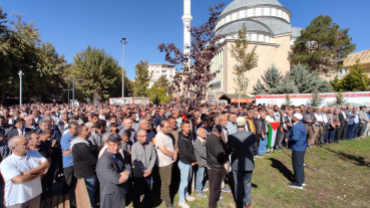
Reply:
x=73, y=83
x=123, y=41
x=20, y=86
x=67, y=90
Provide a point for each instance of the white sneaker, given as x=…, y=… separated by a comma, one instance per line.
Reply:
x=183, y=205
x=190, y=198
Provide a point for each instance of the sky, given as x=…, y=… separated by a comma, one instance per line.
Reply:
x=72, y=25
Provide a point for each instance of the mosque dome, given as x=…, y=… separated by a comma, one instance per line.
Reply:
x=264, y=19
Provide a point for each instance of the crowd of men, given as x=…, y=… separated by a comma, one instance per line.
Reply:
x=117, y=150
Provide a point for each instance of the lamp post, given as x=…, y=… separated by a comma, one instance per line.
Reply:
x=123, y=41
x=20, y=86
x=68, y=93
x=73, y=84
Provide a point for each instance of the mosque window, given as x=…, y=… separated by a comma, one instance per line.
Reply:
x=258, y=11
x=227, y=18
x=234, y=16
x=266, y=11
x=249, y=12
x=280, y=14
x=241, y=14
x=273, y=12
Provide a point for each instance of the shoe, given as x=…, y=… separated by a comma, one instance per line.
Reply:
x=226, y=190
x=170, y=206
x=201, y=194
x=190, y=198
x=303, y=184
x=267, y=153
x=293, y=185
x=327, y=143
x=309, y=146
x=205, y=188
x=248, y=205
x=220, y=203
x=258, y=156
x=183, y=205
x=222, y=196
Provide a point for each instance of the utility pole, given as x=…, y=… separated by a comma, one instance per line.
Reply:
x=123, y=41
x=20, y=86
x=73, y=83
x=68, y=93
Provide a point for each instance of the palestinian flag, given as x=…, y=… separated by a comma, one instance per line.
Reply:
x=273, y=127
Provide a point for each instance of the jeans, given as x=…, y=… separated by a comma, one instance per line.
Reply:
x=327, y=137
x=185, y=171
x=298, y=167
x=91, y=185
x=243, y=187
x=351, y=129
x=356, y=129
x=331, y=135
x=262, y=147
x=200, y=179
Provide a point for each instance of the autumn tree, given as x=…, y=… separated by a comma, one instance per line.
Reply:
x=322, y=45
x=193, y=87
x=245, y=62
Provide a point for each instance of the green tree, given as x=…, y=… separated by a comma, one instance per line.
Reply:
x=162, y=82
x=158, y=95
x=355, y=80
x=316, y=100
x=285, y=86
x=142, y=79
x=245, y=62
x=271, y=79
x=99, y=72
x=307, y=81
x=322, y=45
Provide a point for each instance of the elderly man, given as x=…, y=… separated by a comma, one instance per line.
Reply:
x=201, y=155
x=241, y=145
x=309, y=121
x=364, y=121
x=113, y=171
x=21, y=172
x=231, y=125
x=298, y=143
x=174, y=130
x=351, y=122
x=318, y=128
x=144, y=125
x=127, y=125
x=143, y=159
x=30, y=123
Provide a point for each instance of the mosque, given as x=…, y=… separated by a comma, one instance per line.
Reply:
x=268, y=28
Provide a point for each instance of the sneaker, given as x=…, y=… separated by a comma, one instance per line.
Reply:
x=259, y=156
x=293, y=185
x=205, y=189
x=226, y=190
x=303, y=184
x=267, y=153
x=222, y=196
x=201, y=194
x=170, y=206
x=220, y=203
x=190, y=198
x=183, y=205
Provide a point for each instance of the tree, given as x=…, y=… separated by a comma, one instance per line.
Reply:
x=158, y=95
x=194, y=86
x=307, y=81
x=271, y=79
x=162, y=82
x=322, y=45
x=285, y=86
x=142, y=79
x=355, y=80
x=245, y=62
x=316, y=100
x=339, y=100
x=98, y=70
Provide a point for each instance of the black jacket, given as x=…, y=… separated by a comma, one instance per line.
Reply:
x=186, y=149
x=216, y=154
x=84, y=160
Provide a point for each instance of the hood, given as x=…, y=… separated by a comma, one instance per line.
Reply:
x=79, y=140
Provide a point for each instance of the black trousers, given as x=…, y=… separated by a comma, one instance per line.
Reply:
x=242, y=187
x=338, y=134
x=142, y=185
x=257, y=144
x=298, y=167
x=69, y=185
x=345, y=131
x=215, y=179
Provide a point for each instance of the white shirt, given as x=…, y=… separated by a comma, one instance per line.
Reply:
x=20, y=131
x=270, y=119
x=344, y=115
x=162, y=139
x=13, y=166
x=318, y=118
x=325, y=118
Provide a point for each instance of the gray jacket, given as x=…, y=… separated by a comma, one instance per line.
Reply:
x=96, y=139
x=241, y=145
x=142, y=159
x=200, y=151
x=363, y=116
x=108, y=172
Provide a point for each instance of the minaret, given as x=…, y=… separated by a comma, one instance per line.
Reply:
x=187, y=19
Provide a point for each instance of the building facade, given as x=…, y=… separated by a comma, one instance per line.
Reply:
x=268, y=28
x=159, y=70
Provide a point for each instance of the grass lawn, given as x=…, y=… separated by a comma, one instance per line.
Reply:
x=336, y=176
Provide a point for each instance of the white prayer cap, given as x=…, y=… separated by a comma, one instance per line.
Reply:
x=298, y=116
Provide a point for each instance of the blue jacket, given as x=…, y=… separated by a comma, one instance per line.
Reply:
x=298, y=138
x=350, y=117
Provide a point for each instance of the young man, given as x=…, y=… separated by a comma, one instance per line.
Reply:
x=201, y=155
x=166, y=156
x=84, y=161
x=113, y=172
x=143, y=160
x=187, y=161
